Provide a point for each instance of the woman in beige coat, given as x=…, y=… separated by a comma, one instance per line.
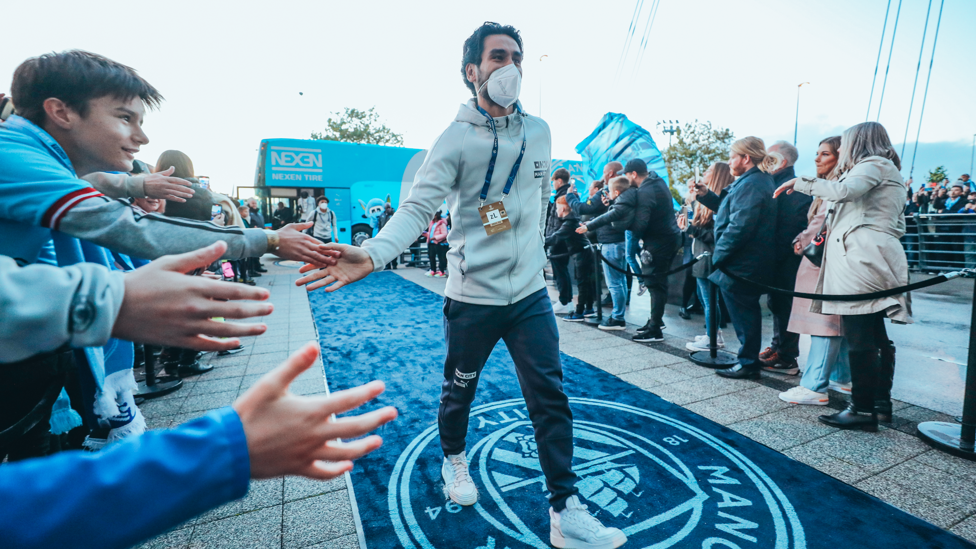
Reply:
x=863, y=254
x=827, y=364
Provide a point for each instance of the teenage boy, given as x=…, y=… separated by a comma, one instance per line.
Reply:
x=79, y=113
x=496, y=289
x=620, y=216
x=578, y=247
x=560, y=263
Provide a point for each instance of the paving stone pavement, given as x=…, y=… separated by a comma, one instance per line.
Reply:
x=282, y=513
x=893, y=465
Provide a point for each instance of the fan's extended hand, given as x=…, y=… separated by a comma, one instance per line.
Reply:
x=352, y=264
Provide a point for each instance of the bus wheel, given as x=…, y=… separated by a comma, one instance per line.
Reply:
x=360, y=234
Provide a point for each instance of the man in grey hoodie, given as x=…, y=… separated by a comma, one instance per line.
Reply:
x=492, y=167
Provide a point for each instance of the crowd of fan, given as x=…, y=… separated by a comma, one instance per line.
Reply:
x=764, y=229
x=98, y=250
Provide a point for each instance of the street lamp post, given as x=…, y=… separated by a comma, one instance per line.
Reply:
x=971, y=156
x=540, y=84
x=670, y=128
x=796, y=123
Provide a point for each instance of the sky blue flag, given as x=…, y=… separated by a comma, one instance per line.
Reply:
x=617, y=138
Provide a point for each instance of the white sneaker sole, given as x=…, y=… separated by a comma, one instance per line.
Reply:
x=556, y=539
x=611, y=328
x=692, y=347
x=820, y=402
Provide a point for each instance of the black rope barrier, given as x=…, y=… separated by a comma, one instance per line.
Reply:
x=669, y=273
x=860, y=297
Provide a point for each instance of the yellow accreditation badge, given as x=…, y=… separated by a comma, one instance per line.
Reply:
x=495, y=218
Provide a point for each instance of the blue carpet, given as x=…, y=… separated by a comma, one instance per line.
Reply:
x=668, y=477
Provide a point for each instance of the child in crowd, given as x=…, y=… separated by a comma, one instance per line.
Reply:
x=620, y=216
x=577, y=245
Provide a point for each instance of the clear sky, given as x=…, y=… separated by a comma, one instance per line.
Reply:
x=231, y=72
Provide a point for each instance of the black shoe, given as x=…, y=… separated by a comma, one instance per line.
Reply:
x=261, y=270
x=781, y=365
x=235, y=350
x=255, y=274
x=194, y=369
x=683, y=313
x=739, y=372
x=248, y=281
x=653, y=335
x=650, y=326
x=612, y=324
x=882, y=408
x=851, y=418
x=695, y=310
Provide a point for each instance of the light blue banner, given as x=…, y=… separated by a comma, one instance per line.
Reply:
x=617, y=138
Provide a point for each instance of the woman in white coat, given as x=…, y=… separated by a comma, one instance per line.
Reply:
x=863, y=254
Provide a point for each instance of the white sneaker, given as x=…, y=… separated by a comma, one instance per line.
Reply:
x=841, y=387
x=802, y=395
x=560, y=309
x=459, y=484
x=575, y=528
x=701, y=342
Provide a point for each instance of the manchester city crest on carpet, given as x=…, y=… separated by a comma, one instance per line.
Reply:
x=663, y=482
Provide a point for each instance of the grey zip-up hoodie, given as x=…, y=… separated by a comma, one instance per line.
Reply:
x=484, y=270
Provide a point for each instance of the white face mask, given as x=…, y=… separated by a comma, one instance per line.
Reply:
x=324, y=207
x=504, y=85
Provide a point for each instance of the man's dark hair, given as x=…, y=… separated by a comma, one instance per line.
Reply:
x=474, y=46
x=322, y=199
x=304, y=194
x=75, y=77
x=562, y=174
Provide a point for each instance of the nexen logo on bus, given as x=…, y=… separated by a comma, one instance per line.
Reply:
x=291, y=159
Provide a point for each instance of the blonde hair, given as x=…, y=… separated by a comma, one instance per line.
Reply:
x=178, y=160
x=231, y=215
x=720, y=178
x=863, y=141
x=620, y=184
x=755, y=149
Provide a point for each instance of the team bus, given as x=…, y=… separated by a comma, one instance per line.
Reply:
x=359, y=180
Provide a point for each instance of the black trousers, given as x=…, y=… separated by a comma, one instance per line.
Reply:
x=662, y=252
x=585, y=283
x=528, y=328
x=437, y=255
x=746, y=314
x=785, y=342
x=22, y=387
x=560, y=272
x=866, y=335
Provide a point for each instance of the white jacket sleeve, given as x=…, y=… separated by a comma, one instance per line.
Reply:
x=433, y=182
x=44, y=307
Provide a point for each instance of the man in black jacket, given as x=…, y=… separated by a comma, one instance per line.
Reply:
x=560, y=265
x=619, y=218
x=743, y=232
x=791, y=220
x=595, y=206
x=655, y=223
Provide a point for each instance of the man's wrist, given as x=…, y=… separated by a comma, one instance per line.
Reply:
x=273, y=240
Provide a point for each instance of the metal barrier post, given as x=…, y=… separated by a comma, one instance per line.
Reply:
x=952, y=438
x=598, y=290
x=921, y=226
x=152, y=386
x=713, y=358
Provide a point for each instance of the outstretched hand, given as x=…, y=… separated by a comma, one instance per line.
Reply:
x=294, y=244
x=295, y=435
x=163, y=306
x=161, y=185
x=582, y=229
x=785, y=187
x=352, y=264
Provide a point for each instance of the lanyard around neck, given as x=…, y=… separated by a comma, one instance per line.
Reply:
x=494, y=156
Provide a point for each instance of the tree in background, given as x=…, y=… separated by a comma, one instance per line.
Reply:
x=356, y=126
x=696, y=144
x=938, y=175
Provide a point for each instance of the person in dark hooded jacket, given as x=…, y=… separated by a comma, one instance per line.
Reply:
x=578, y=247
x=560, y=264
